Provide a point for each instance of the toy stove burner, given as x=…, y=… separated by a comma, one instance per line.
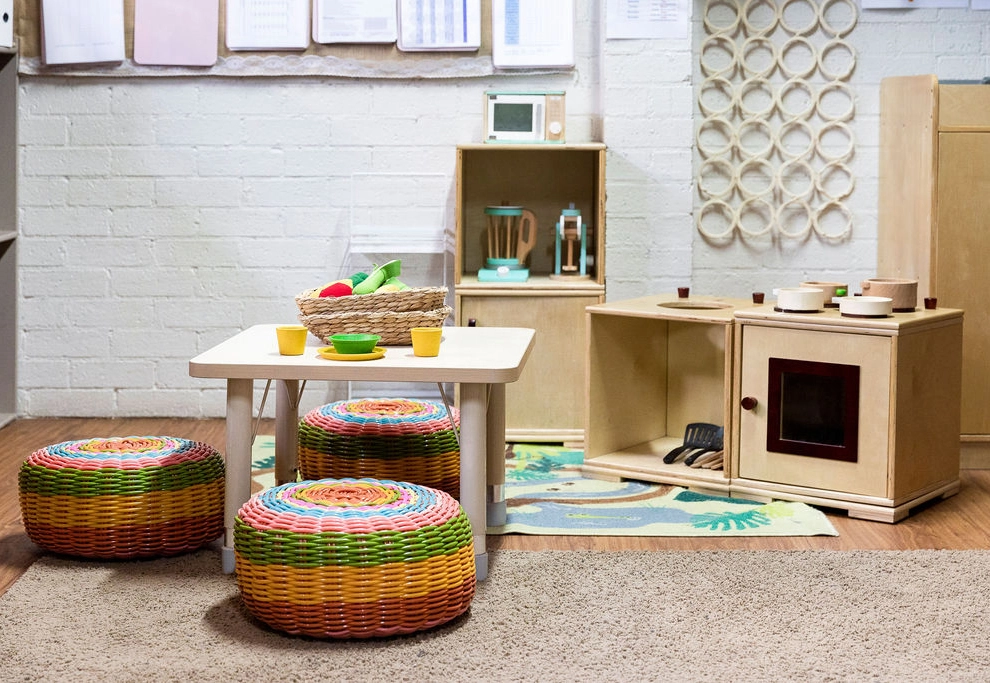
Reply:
x=791, y=310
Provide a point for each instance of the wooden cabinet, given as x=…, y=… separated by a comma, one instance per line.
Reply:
x=654, y=365
x=853, y=413
x=934, y=203
x=547, y=403
x=8, y=235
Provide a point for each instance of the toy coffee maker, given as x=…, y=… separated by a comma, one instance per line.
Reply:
x=570, y=253
x=509, y=237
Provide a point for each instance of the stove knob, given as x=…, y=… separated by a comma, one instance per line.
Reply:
x=748, y=403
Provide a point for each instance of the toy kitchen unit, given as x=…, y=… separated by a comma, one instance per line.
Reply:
x=842, y=411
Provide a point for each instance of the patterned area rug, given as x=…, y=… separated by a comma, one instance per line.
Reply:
x=548, y=496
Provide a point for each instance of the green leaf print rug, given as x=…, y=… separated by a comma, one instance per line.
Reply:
x=546, y=494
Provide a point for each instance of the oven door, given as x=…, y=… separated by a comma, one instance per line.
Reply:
x=822, y=407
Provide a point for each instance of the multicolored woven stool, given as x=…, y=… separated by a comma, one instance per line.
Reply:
x=354, y=558
x=389, y=438
x=119, y=498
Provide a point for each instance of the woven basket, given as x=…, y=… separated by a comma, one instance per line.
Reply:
x=388, y=438
x=413, y=299
x=393, y=328
x=354, y=558
x=121, y=498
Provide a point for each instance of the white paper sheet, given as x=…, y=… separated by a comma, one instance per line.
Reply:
x=268, y=24
x=82, y=31
x=354, y=21
x=647, y=19
x=176, y=32
x=445, y=25
x=914, y=4
x=527, y=33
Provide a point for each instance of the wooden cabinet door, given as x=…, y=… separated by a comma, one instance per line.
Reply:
x=962, y=274
x=547, y=402
x=868, y=475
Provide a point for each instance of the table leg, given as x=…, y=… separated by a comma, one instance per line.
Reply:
x=474, y=460
x=495, y=428
x=238, y=461
x=286, y=429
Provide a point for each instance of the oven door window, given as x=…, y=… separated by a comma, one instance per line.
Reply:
x=813, y=409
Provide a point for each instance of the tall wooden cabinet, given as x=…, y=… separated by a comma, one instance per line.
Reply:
x=934, y=218
x=8, y=235
x=547, y=403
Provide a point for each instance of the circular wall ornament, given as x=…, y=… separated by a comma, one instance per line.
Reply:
x=831, y=151
x=835, y=181
x=837, y=25
x=829, y=95
x=831, y=63
x=758, y=56
x=718, y=55
x=774, y=147
x=755, y=178
x=792, y=68
x=795, y=212
x=714, y=213
x=716, y=96
x=756, y=97
x=755, y=130
x=759, y=17
x=803, y=17
x=790, y=93
x=721, y=130
x=715, y=19
x=829, y=213
x=758, y=210
x=797, y=179
x=714, y=172
x=791, y=131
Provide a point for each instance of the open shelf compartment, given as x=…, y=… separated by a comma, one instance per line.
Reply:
x=654, y=365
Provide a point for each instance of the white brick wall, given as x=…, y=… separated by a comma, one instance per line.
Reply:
x=159, y=216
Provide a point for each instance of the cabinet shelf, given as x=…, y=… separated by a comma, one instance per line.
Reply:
x=545, y=179
x=547, y=403
x=644, y=461
x=656, y=364
x=470, y=283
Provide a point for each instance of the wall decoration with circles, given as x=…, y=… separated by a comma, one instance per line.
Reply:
x=773, y=136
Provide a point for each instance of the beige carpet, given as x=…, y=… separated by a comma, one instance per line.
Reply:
x=542, y=616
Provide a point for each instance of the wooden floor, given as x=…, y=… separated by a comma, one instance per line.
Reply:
x=959, y=522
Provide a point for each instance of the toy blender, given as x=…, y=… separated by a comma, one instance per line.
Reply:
x=510, y=236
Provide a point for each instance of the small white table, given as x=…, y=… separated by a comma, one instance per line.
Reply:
x=482, y=360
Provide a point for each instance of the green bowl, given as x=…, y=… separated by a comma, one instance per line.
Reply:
x=354, y=343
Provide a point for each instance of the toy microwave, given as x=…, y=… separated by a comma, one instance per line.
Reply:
x=524, y=117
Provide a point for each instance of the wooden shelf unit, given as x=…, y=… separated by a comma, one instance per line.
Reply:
x=934, y=196
x=654, y=365
x=652, y=368
x=8, y=235
x=547, y=403
x=908, y=392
